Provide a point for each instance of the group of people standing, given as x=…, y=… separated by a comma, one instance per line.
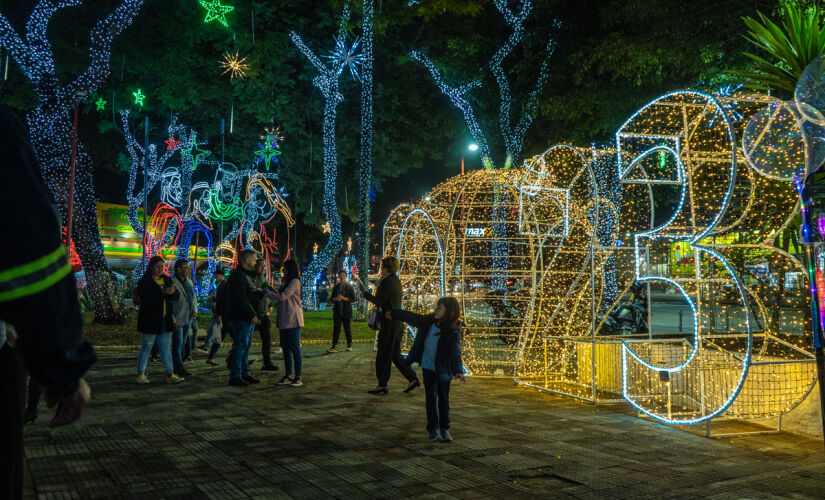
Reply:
x=168, y=307
x=241, y=304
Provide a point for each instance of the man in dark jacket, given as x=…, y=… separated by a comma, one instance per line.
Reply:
x=38, y=296
x=343, y=295
x=262, y=311
x=387, y=298
x=242, y=317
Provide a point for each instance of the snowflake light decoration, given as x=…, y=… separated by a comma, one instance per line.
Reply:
x=234, y=65
x=344, y=56
x=728, y=105
x=275, y=132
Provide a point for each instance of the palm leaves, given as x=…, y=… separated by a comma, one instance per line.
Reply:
x=792, y=47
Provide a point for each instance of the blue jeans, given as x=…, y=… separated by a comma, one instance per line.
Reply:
x=241, y=332
x=180, y=337
x=147, y=341
x=437, y=394
x=208, y=341
x=291, y=345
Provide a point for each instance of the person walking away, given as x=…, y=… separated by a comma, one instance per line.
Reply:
x=321, y=297
x=220, y=279
x=387, y=298
x=38, y=296
x=155, y=322
x=242, y=317
x=262, y=310
x=437, y=349
x=343, y=295
x=290, y=320
x=183, y=310
x=219, y=312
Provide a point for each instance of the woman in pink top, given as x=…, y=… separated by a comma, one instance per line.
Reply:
x=290, y=321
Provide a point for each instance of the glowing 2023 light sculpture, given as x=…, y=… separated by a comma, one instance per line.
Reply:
x=700, y=226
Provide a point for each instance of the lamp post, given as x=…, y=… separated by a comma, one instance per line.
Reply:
x=471, y=147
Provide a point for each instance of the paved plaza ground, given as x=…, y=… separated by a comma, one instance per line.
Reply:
x=330, y=439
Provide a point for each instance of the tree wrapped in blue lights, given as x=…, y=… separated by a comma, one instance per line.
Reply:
x=50, y=129
x=512, y=134
x=365, y=160
x=327, y=83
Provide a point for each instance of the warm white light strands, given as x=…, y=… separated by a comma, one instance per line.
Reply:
x=50, y=128
x=327, y=83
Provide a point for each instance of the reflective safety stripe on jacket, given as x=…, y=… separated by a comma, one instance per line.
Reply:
x=35, y=276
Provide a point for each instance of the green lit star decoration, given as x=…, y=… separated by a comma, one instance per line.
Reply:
x=193, y=151
x=216, y=11
x=267, y=152
x=101, y=103
x=139, y=97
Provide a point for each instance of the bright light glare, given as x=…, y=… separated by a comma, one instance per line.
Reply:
x=473, y=147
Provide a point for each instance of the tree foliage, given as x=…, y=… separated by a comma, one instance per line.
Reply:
x=612, y=57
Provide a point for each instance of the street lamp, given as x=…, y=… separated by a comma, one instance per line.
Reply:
x=472, y=147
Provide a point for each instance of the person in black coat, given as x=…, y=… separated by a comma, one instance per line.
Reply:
x=242, y=317
x=38, y=296
x=155, y=318
x=387, y=298
x=437, y=349
x=343, y=295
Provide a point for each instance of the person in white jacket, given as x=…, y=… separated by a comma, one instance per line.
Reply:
x=183, y=311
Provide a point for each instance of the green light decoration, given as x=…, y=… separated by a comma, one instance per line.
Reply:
x=216, y=11
x=101, y=103
x=193, y=151
x=267, y=152
x=224, y=211
x=139, y=97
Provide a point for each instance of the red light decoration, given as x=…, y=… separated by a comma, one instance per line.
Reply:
x=171, y=143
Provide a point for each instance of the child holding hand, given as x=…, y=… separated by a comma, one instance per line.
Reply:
x=437, y=349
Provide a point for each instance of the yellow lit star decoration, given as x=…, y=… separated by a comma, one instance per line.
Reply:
x=234, y=65
x=326, y=228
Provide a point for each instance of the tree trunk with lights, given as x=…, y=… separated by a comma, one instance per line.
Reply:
x=327, y=83
x=51, y=130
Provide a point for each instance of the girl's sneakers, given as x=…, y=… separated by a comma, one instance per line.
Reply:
x=173, y=379
x=434, y=434
x=445, y=435
x=296, y=382
x=142, y=379
x=285, y=381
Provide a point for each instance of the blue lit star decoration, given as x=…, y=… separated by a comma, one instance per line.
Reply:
x=268, y=151
x=193, y=151
x=216, y=11
x=347, y=56
x=729, y=106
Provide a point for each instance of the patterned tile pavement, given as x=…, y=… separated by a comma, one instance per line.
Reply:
x=330, y=439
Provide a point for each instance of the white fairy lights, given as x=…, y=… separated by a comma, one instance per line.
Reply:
x=327, y=83
x=50, y=128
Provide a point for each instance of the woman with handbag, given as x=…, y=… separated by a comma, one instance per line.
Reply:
x=388, y=297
